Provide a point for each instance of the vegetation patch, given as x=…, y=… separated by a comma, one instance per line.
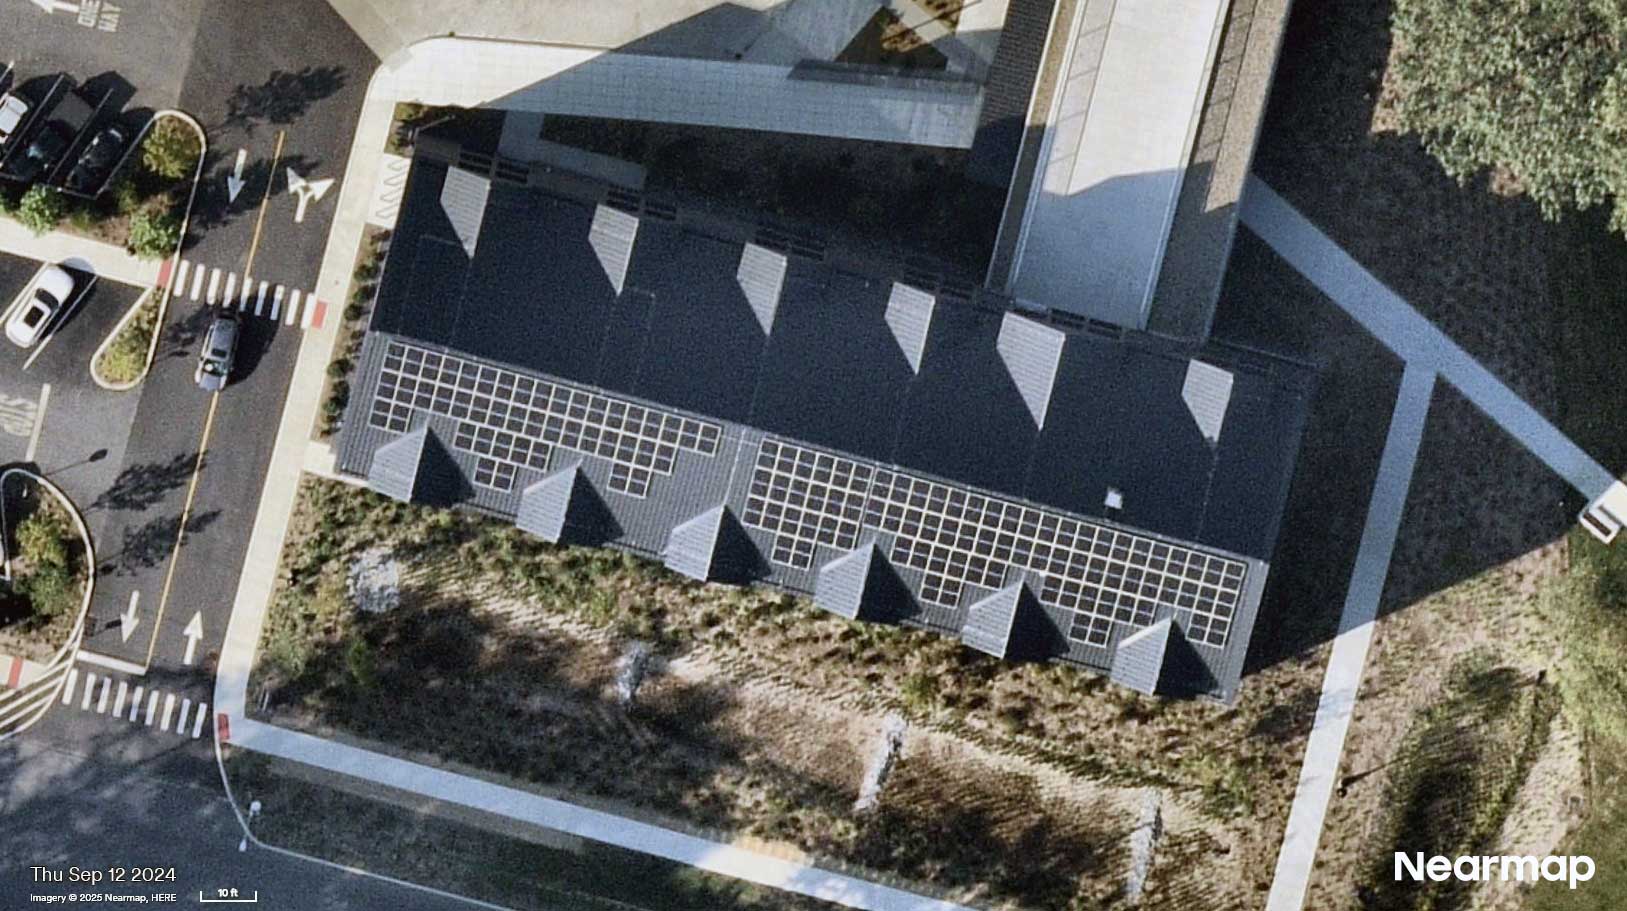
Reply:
x=41, y=600
x=363, y=288
x=125, y=358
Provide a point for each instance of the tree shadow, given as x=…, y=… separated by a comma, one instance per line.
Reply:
x=141, y=485
x=283, y=98
x=215, y=206
x=148, y=545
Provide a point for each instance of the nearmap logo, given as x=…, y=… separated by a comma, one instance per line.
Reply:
x=1472, y=869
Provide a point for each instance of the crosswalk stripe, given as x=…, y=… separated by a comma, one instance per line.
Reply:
x=231, y=289
x=310, y=311
x=293, y=306
x=90, y=684
x=180, y=276
x=180, y=723
x=197, y=282
x=243, y=304
x=276, y=302
x=67, y=691
x=197, y=725
x=135, y=702
x=101, y=701
x=169, y=710
x=118, y=701
x=260, y=298
x=152, y=706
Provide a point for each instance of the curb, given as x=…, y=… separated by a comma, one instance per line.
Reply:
x=163, y=300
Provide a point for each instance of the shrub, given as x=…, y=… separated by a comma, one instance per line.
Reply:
x=126, y=357
x=153, y=236
x=41, y=209
x=171, y=149
x=84, y=218
x=50, y=589
x=42, y=539
x=126, y=196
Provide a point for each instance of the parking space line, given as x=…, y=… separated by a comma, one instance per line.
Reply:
x=293, y=306
x=231, y=289
x=39, y=422
x=197, y=282
x=180, y=276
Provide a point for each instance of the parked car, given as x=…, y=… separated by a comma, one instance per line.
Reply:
x=42, y=300
x=219, y=351
x=97, y=161
x=12, y=112
x=42, y=154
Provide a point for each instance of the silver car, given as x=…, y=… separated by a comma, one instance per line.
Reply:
x=219, y=351
x=42, y=300
x=12, y=111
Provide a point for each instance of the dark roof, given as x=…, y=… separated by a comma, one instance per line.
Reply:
x=814, y=403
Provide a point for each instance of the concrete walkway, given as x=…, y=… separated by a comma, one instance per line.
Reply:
x=288, y=461
x=107, y=260
x=1342, y=681
x=1411, y=336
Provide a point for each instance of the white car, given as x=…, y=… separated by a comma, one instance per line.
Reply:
x=42, y=301
x=12, y=112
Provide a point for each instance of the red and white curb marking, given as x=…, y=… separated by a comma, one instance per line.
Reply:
x=217, y=287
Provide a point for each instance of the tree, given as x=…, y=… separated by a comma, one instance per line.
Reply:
x=171, y=149
x=41, y=208
x=1535, y=89
x=153, y=236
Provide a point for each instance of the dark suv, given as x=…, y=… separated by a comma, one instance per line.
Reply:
x=41, y=154
x=97, y=161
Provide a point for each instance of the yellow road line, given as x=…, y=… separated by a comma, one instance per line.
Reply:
x=180, y=533
x=259, y=222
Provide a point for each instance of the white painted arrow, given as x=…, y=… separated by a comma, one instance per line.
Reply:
x=234, y=180
x=127, y=620
x=307, y=191
x=193, y=632
x=57, y=6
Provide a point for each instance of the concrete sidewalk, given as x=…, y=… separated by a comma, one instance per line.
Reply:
x=258, y=581
x=1342, y=682
x=107, y=260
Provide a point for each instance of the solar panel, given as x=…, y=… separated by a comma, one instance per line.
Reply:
x=956, y=537
x=511, y=421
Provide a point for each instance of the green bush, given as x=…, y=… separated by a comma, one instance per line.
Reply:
x=171, y=149
x=126, y=196
x=41, y=209
x=51, y=591
x=42, y=539
x=47, y=580
x=153, y=236
x=126, y=357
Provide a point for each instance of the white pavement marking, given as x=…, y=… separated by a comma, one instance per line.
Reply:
x=118, y=701
x=67, y=689
x=90, y=684
x=178, y=284
x=197, y=282
x=101, y=701
x=231, y=289
x=293, y=306
x=135, y=702
x=310, y=311
x=248, y=283
x=1411, y=336
x=152, y=706
x=260, y=299
x=39, y=423
x=169, y=710
x=276, y=302
x=214, y=287
x=1343, y=678
x=180, y=724
x=112, y=664
x=197, y=725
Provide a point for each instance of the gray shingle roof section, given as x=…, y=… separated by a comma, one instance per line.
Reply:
x=909, y=315
x=693, y=546
x=1139, y=661
x=1031, y=351
x=463, y=198
x=394, y=472
x=545, y=504
x=611, y=237
x=761, y=276
x=843, y=582
x=1207, y=392
x=991, y=619
x=683, y=339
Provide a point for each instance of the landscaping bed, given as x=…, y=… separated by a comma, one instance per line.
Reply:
x=764, y=713
x=363, y=286
x=40, y=602
x=125, y=357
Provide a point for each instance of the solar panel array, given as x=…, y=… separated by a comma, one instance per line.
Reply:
x=510, y=421
x=955, y=537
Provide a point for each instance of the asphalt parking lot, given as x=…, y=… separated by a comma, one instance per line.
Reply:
x=52, y=415
x=138, y=41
